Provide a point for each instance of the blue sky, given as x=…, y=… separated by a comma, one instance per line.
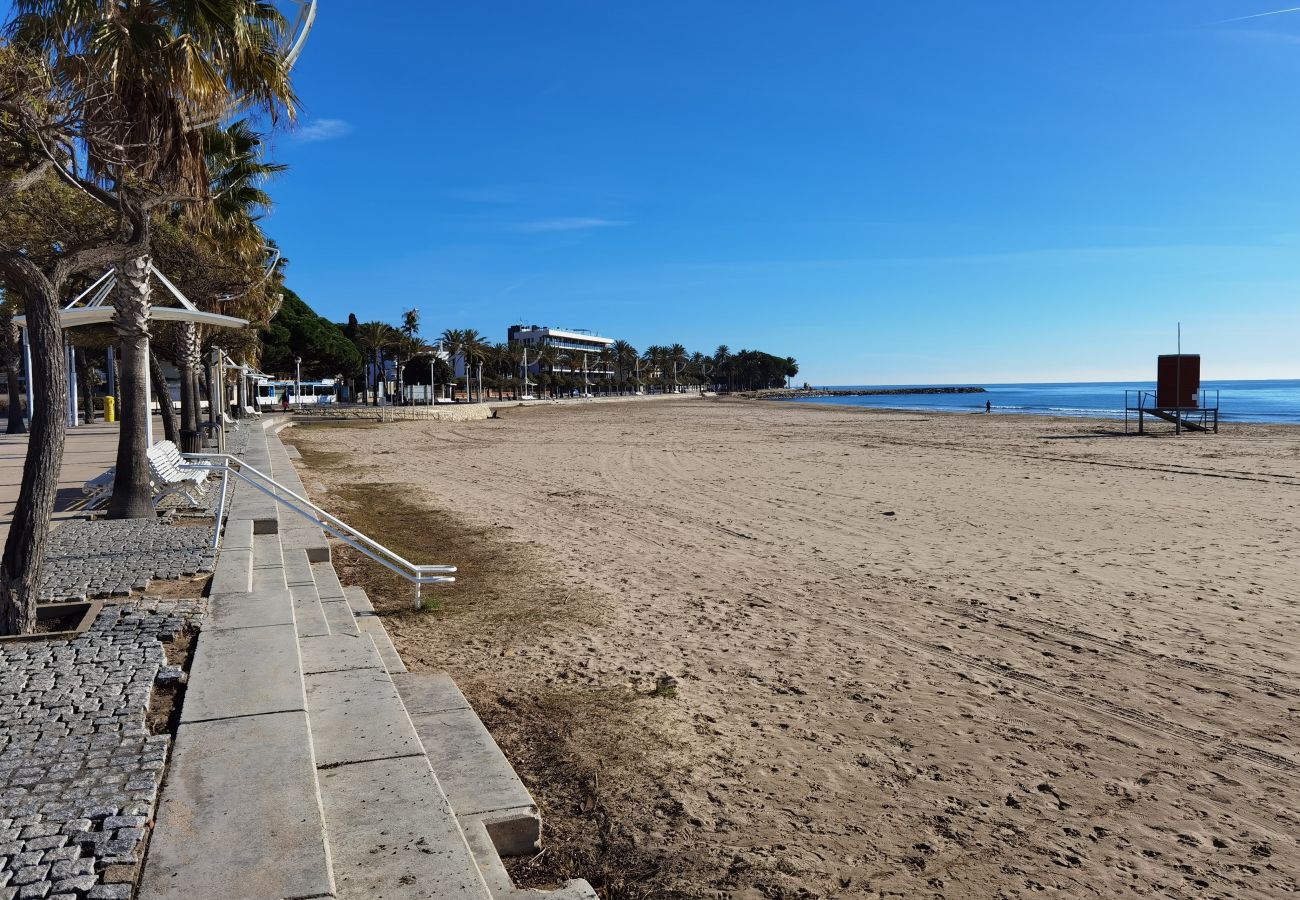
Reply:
x=889, y=192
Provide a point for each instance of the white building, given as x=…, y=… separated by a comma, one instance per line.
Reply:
x=575, y=343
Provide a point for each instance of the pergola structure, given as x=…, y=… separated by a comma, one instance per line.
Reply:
x=90, y=307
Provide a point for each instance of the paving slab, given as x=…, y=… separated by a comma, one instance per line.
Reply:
x=244, y=672
x=358, y=599
x=297, y=568
x=327, y=582
x=338, y=653
x=477, y=777
x=250, y=610
x=237, y=535
x=374, y=626
x=393, y=835
x=240, y=815
x=307, y=612
x=234, y=572
x=298, y=533
x=339, y=616
x=358, y=716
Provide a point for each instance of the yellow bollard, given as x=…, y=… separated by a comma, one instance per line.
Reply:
x=110, y=409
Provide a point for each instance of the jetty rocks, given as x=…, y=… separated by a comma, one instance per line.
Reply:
x=801, y=393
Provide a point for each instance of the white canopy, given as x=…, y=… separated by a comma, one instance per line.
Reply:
x=97, y=312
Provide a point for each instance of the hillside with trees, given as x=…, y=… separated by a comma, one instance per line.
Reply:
x=296, y=330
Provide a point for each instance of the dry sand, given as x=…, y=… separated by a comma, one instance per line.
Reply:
x=917, y=655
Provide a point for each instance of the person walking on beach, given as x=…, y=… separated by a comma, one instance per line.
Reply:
x=284, y=400
x=988, y=407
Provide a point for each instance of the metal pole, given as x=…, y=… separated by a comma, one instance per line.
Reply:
x=1178, y=384
x=112, y=371
x=148, y=401
x=70, y=354
x=27, y=365
x=217, y=397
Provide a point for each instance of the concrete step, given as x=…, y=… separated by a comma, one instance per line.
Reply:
x=480, y=782
x=370, y=623
x=240, y=814
x=390, y=829
x=234, y=570
x=268, y=563
x=307, y=611
x=393, y=835
x=498, y=880
x=333, y=602
x=496, y=812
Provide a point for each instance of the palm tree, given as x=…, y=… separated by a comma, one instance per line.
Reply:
x=405, y=347
x=453, y=341
x=474, y=349
x=410, y=322
x=11, y=353
x=149, y=72
x=624, y=354
x=677, y=359
x=547, y=357
x=374, y=339
x=722, y=362
x=124, y=83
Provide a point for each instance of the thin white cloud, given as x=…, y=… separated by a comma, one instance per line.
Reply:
x=1275, y=12
x=572, y=223
x=322, y=130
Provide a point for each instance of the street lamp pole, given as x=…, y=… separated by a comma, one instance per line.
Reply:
x=297, y=381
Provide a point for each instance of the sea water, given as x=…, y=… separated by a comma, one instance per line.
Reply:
x=1239, y=401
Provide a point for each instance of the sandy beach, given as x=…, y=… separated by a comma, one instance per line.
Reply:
x=911, y=655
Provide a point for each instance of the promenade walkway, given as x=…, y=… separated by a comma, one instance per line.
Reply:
x=88, y=450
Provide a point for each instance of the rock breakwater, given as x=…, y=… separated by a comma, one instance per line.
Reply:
x=801, y=393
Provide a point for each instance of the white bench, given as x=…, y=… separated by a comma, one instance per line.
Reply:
x=165, y=477
x=165, y=469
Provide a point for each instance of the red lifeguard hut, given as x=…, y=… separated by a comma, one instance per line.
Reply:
x=1178, y=397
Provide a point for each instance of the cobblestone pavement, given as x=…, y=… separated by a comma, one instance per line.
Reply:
x=79, y=772
x=114, y=557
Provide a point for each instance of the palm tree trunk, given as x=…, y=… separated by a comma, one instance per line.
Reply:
x=131, y=494
x=164, y=393
x=29, y=528
x=17, y=424
x=83, y=386
x=187, y=354
x=12, y=352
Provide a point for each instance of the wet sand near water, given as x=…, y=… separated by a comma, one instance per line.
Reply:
x=915, y=655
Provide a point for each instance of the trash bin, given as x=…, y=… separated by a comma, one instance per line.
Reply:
x=191, y=441
x=110, y=408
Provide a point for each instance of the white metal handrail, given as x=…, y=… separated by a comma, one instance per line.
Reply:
x=228, y=465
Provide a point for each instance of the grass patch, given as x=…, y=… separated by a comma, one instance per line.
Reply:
x=300, y=436
x=496, y=593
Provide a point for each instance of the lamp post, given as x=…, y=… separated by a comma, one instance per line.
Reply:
x=297, y=381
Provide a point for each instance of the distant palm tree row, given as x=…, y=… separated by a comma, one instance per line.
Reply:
x=513, y=370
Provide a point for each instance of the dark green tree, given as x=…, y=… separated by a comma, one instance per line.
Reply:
x=296, y=330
